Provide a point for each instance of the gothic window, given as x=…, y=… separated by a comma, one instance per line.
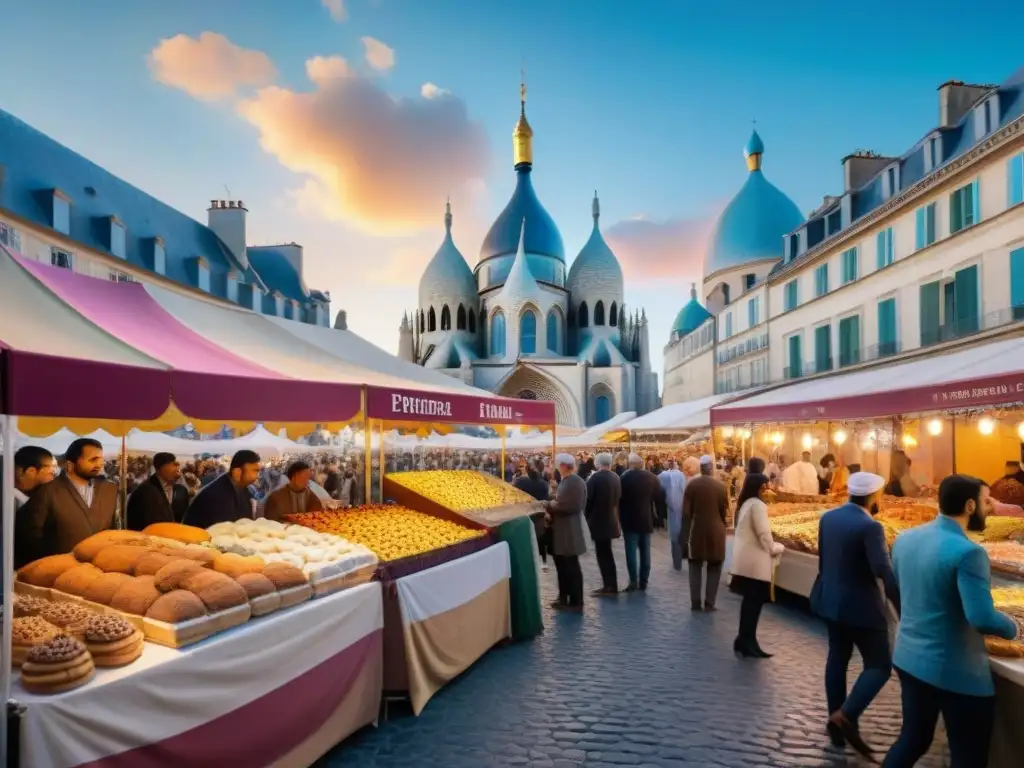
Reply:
x=498, y=334
x=581, y=316
x=602, y=409
x=431, y=320
x=599, y=313
x=552, y=331
x=472, y=321
x=446, y=318
x=460, y=318
x=528, y=333
x=613, y=315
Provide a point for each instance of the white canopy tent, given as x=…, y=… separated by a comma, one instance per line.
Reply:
x=678, y=417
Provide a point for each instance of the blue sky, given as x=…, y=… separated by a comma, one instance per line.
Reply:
x=648, y=102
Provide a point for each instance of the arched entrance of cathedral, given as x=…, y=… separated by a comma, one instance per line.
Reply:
x=528, y=383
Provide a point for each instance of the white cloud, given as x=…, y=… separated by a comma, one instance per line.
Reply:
x=210, y=67
x=379, y=55
x=432, y=91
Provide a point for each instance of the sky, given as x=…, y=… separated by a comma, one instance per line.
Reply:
x=345, y=124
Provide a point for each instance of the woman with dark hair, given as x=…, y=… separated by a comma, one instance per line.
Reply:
x=826, y=467
x=753, y=560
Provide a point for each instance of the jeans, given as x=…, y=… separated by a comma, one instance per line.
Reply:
x=697, y=576
x=606, y=562
x=570, y=579
x=873, y=645
x=968, y=719
x=638, y=542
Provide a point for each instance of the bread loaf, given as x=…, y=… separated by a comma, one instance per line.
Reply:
x=284, y=576
x=235, y=565
x=188, y=534
x=88, y=548
x=44, y=571
x=102, y=589
x=202, y=555
x=136, y=596
x=217, y=591
x=119, y=558
x=170, y=576
x=151, y=562
x=256, y=584
x=175, y=607
x=76, y=580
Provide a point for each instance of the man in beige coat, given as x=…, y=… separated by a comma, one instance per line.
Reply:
x=565, y=516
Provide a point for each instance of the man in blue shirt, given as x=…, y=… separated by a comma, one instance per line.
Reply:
x=940, y=648
x=852, y=558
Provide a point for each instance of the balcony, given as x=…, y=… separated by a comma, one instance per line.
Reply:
x=726, y=354
x=821, y=365
x=963, y=327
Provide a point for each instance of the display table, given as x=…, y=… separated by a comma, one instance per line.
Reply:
x=796, y=572
x=1008, y=733
x=450, y=616
x=279, y=690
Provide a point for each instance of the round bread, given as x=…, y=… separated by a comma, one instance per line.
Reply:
x=256, y=584
x=102, y=590
x=285, y=576
x=202, y=555
x=176, y=607
x=76, y=580
x=170, y=576
x=108, y=628
x=88, y=548
x=59, y=682
x=64, y=614
x=151, y=562
x=44, y=571
x=32, y=630
x=136, y=596
x=217, y=591
x=119, y=558
x=131, y=650
x=57, y=650
x=27, y=605
x=234, y=565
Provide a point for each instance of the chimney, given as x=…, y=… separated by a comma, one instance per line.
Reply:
x=860, y=166
x=341, y=321
x=956, y=98
x=227, y=220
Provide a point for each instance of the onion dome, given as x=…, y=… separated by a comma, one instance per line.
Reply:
x=542, y=236
x=595, y=274
x=447, y=278
x=692, y=316
x=752, y=226
x=520, y=286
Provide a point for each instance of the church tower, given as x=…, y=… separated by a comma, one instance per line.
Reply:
x=405, y=341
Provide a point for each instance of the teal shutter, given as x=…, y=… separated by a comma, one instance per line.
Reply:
x=849, y=340
x=956, y=222
x=796, y=363
x=1015, y=180
x=930, y=333
x=1017, y=282
x=887, y=327
x=965, y=297
x=823, y=348
x=975, y=203
x=919, y=229
x=880, y=250
x=930, y=224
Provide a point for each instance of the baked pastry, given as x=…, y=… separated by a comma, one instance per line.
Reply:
x=44, y=571
x=70, y=617
x=102, y=590
x=285, y=576
x=136, y=596
x=152, y=561
x=27, y=632
x=113, y=641
x=170, y=576
x=176, y=606
x=217, y=591
x=256, y=584
x=202, y=555
x=57, y=665
x=88, y=548
x=76, y=580
x=119, y=558
x=235, y=565
x=189, y=534
x=27, y=605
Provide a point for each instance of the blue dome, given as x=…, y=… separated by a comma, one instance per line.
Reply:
x=752, y=226
x=691, y=317
x=595, y=273
x=447, y=277
x=542, y=236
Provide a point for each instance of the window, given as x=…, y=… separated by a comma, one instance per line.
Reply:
x=233, y=287
x=61, y=214
x=884, y=246
x=613, y=315
x=791, y=297
x=602, y=409
x=833, y=223
x=823, y=348
x=528, y=333
x=431, y=320
x=120, y=277
x=749, y=280
x=552, y=330
x=278, y=305
x=472, y=321
x=794, y=246
x=1015, y=180
x=497, y=334
x=932, y=155
x=1017, y=283
x=728, y=325
x=61, y=258
x=821, y=280
x=924, y=226
x=966, y=310
x=849, y=341
x=118, y=238
x=848, y=265
x=754, y=311
x=460, y=318
x=796, y=363
x=599, y=313
x=887, y=327
x=9, y=236
x=581, y=315
x=930, y=313
x=446, y=318
x=889, y=182
x=963, y=207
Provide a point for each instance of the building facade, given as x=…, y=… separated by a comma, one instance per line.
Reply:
x=521, y=324
x=59, y=208
x=920, y=253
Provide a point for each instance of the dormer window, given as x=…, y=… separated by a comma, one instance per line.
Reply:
x=202, y=274
x=793, y=249
x=278, y=305
x=118, y=238
x=891, y=180
x=232, y=288
x=986, y=116
x=257, y=300
x=159, y=256
x=932, y=153
x=61, y=212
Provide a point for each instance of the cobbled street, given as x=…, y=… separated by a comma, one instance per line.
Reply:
x=637, y=680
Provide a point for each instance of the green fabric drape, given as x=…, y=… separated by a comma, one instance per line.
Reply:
x=524, y=588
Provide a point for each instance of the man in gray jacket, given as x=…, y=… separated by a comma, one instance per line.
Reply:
x=565, y=516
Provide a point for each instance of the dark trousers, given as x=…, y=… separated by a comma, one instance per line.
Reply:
x=873, y=646
x=968, y=719
x=696, y=586
x=750, y=615
x=570, y=579
x=606, y=562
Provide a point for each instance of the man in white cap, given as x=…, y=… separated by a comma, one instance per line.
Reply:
x=705, y=506
x=565, y=515
x=852, y=557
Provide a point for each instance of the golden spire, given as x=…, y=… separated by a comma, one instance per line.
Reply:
x=522, y=136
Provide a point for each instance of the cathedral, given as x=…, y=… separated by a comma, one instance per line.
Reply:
x=522, y=325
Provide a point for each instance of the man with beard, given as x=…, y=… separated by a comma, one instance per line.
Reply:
x=73, y=507
x=160, y=499
x=852, y=557
x=947, y=610
x=227, y=498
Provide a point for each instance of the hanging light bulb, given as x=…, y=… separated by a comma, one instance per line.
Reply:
x=839, y=437
x=1020, y=430
x=727, y=432
x=935, y=427
x=909, y=441
x=986, y=425
x=806, y=441
x=777, y=438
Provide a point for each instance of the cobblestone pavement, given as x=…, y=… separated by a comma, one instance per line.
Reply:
x=636, y=681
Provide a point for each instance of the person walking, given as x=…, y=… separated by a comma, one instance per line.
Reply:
x=705, y=506
x=940, y=656
x=602, y=513
x=852, y=557
x=673, y=482
x=565, y=516
x=642, y=501
x=754, y=556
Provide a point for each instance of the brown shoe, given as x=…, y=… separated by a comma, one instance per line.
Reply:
x=851, y=733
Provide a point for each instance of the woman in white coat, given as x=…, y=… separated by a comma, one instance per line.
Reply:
x=753, y=560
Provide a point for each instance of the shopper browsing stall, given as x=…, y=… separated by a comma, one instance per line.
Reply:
x=160, y=499
x=227, y=498
x=295, y=497
x=565, y=515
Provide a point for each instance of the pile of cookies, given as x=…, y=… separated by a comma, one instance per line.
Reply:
x=60, y=664
x=112, y=641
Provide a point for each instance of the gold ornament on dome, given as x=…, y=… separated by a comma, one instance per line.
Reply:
x=522, y=136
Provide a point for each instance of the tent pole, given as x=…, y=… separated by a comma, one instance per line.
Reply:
x=367, y=455
x=380, y=460
x=122, y=494
x=10, y=430
x=501, y=468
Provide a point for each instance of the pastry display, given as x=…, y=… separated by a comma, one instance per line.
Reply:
x=176, y=606
x=112, y=641
x=119, y=558
x=461, y=490
x=27, y=605
x=1003, y=528
x=71, y=618
x=88, y=548
x=187, y=534
x=234, y=565
x=217, y=591
x=136, y=596
x=28, y=632
x=59, y=664
x=102, y=590
x=390, y=531
x=44, y=571
x=1006, y=556
x=75, y=581
x=153, y=561
x=170, y=576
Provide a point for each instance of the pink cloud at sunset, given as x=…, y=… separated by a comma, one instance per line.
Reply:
x=336, y=8
x=378, y=55
x=670, y=250
x=210, y=67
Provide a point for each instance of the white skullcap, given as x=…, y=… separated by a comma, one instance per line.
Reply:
x=635, y=460
x=707, y=460
x=603, y=460
x=864, y=484
x=565, y=460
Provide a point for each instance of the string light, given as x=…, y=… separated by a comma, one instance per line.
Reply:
x=1020, y=430
x=839, y=437
x=727, y=432
x=909, y=441
x=935, y=427
x=745, y=434
x=806, y=441
x=986, y=425
x=777, y=438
